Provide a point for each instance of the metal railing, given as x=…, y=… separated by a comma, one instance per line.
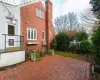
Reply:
x=13, y=43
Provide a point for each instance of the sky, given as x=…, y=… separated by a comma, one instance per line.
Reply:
x=61, y=7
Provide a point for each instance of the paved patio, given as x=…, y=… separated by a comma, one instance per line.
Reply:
x=49, y=68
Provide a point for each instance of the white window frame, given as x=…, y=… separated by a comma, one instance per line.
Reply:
x=36, y=34
x=39, y=13
x=43, y=38
x=31, y=34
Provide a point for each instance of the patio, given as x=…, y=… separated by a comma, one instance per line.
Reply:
x=49, y=68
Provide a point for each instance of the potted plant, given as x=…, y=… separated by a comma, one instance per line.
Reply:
x=51, y=52
x=33, y=56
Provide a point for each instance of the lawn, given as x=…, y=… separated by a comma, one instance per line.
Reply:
x=75, y=56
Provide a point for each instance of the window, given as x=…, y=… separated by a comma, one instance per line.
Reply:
x=31, y=34
x=11, y=42
x=34, y=34
x=39, y=13
x=43, y=35
x=11, y=30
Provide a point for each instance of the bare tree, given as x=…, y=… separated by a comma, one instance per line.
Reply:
x=66, y=22
x=60, y=23
x=88, y=18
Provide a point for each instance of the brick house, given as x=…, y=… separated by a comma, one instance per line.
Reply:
x=36, y=25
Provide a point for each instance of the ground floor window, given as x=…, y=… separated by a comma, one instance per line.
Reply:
x=11, y=42
x=43, y=35
x=31, y=34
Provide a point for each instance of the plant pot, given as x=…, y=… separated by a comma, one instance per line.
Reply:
x=52, y=52
x=33, y=57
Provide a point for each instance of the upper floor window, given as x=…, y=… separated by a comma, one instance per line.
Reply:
x=39, y=13
x=31, y=34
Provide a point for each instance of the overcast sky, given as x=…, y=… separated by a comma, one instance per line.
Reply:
x=61, y=7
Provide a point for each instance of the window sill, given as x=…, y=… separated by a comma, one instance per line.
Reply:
x=40, y=18
x=32, y=43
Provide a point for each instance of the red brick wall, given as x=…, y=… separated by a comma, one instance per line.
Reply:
x=30, y=20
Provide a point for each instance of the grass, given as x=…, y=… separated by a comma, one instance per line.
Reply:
x=75, y=56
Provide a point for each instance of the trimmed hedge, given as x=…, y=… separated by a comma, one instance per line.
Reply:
x=85, y=46
x=96, y=42
x=62, y=41
x=82, y=35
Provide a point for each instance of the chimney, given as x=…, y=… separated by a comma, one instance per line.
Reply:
x=48, y=21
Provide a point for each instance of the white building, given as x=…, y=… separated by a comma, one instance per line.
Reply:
x=10, y=39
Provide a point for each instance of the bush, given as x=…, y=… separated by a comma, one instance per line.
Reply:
x=85, y=46
x=37, y=54
x=50, y=52
x=82, y=35
x=53, y=44
x=62, y=41
x=96, y=43
x=42, y=54
x=91, y=48
x=74, y=48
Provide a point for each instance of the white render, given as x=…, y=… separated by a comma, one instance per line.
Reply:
x=11, y=58
x=4, y=22
x=10, y=15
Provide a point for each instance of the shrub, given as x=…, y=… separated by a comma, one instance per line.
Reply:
x=37, y=54
x=91, y=48
x=42, y=53
x=53, y=44
x=85, y=46
x=96, y=43
x=50, y=52
x=62, y=41
x=74, y=48
x=82, y=35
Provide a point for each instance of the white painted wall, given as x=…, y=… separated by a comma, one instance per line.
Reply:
x=4, y=22
x=11, y=58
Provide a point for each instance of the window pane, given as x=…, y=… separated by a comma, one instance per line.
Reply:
x=39, y=13
x=10, y=30
x=34, y=34
x=11, y=42
x=29, y=34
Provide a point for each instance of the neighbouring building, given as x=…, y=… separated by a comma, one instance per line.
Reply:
x=11, y=41
x=36, y=25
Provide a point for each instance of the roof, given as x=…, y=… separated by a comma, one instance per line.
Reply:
x=21, y=2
